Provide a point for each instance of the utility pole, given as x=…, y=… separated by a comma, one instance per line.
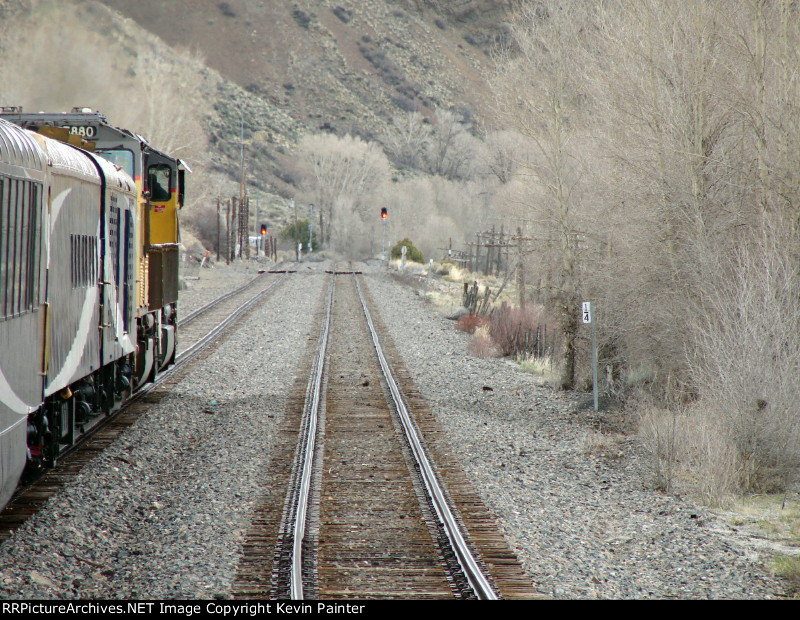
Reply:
x=296, y=235
x=310, y=228
x=241, y=154
x=255, y=225
x=244, y=227
x=244, y=203
x=228, y=232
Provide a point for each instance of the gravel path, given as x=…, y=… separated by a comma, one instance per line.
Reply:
x=162, y=513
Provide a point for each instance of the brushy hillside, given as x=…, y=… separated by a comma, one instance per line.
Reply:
x=268, y=71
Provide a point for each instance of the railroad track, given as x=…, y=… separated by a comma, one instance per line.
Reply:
x=190, y=317
x=222, y=313
x=366, y=514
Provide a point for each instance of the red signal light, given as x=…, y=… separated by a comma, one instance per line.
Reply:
x=263, y=229
x=384, y=215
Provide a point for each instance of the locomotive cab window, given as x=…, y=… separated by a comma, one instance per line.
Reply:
x=159, y=181
x=122, y=158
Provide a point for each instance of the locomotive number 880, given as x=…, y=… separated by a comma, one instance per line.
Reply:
x=88, y=278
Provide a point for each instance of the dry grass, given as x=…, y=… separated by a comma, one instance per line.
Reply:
x=481, y=345
x=689, y=452
x=453, y=273
x=596, y=442
x=542, y=366
x=788, y=567
x=775, y=521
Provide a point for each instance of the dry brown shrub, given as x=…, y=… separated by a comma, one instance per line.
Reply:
x=470, y=322
x=481, y=344
x=515, y=330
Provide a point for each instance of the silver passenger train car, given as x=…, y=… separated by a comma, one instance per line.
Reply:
x=67, y=284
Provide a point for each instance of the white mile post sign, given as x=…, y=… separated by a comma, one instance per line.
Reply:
x=586, y=314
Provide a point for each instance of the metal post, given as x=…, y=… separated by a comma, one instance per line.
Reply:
x=589, y=314
x=310, y=228
x=594, y=358
x=383, y=245
x=256, y=231
x=296, y=235
x=255, y=221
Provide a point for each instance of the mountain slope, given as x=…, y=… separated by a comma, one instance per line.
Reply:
x=342, y=65
x=271, y=70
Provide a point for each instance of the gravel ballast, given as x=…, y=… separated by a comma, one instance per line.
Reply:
x=578, y=515
x=163, y=512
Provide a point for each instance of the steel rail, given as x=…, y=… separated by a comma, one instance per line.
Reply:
x=197, y=312
x=478, y=581
x=180, y=360
x=311, y=422
x=186, y=355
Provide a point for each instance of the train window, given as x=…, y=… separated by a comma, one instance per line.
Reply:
x=159, y=181
x=5, y=261
x=15, y=253
x=93, y=259
x=34, y=271
x=20, y=261
x=83, y=261
x=122, y=158
x=13, y=248
x=73, y=260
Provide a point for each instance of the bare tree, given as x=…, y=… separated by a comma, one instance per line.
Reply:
x=407, y=141
x=664, y=134
x=542, y=97
x=700, y=128
x=450, y=146
x=342, y=174
x=432, y=210
x=503, y=154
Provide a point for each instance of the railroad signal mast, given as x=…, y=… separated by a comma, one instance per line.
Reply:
x=384, y=216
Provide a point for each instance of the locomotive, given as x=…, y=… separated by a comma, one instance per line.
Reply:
x=89, y=238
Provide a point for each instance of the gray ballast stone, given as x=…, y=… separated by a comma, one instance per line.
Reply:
x=163, y=512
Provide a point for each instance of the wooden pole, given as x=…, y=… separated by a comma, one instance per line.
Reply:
x=234, y=226
x=521, y=270
x=228, y=232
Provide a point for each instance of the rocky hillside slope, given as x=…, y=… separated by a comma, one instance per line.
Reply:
x=270, y=70
x=342, y=66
